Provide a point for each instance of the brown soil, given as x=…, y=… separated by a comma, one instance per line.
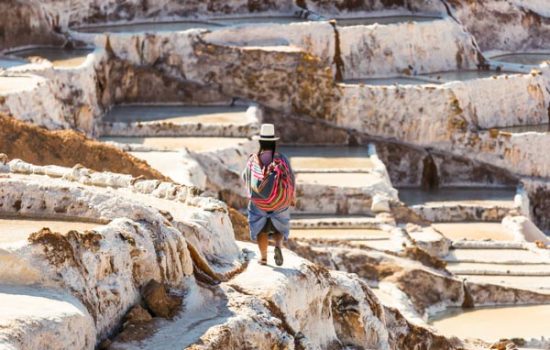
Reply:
x=57, y=248
x=418, y=254
x=158, y=301
x=67, y=148
x=240, y=225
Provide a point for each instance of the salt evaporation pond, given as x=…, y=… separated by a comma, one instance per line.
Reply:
x=474, y=231
x=389, y=81
x=149, y=27
x=7, y=63
x=196, y=144
x=258, y=20
x=494, y=323
x=497, y=196
x=59, y=57
x=464, y=75
x=541, y=128
x=319, y=157
x=365, y=21
x=13, y=230
x=529, y=59
x=177, y=114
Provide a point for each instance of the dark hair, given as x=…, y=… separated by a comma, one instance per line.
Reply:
x=267, y=146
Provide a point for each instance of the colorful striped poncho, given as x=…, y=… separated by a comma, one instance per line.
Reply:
x=270, y=188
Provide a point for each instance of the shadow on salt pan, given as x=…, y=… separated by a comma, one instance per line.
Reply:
x=417, y=196
x=231, y=21
x=365, y=21
x=541, y=128
x=464, y=75
x=390, y=81
x=148, y=27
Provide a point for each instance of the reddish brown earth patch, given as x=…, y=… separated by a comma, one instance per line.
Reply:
x=67, y=148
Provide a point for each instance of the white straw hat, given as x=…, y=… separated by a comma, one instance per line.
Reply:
x=267, y=133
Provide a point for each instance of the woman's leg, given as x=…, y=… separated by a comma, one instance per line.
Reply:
x=278, y=245
x=278, y=237
x=263, y=242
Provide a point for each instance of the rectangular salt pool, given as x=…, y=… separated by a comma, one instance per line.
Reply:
x=529, y=59
x=58, y=56
x=149, y=27
x=494, y=323
x=365, y=21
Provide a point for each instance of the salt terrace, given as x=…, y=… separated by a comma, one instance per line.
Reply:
x=417, y=130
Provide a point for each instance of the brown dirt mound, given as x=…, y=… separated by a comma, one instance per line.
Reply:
x=67, y=148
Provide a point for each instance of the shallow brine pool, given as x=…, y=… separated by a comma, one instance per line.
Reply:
x=494, y=323
x=149, y=27
x=530, y=59
x=356, y=21
x=59, y=57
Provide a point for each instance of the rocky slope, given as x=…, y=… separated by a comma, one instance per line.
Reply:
x=181, y=241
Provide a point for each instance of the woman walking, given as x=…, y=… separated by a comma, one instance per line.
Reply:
x=270, y=185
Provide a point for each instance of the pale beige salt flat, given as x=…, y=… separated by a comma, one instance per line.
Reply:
x=13, y=230
x=338, y=179
x=474, y=231
x=469, y=268
x=330, y=163
x=340, y=234
x=499, y=256
x=492, y=324
x=322, y=157
x=378, y=244
x=197, y=144
x=40, y=318
x=17, y=83
x=384, y=297
x=538, y=283
x=167, y=163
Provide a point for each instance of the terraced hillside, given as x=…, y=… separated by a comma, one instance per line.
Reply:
x=417, y=130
